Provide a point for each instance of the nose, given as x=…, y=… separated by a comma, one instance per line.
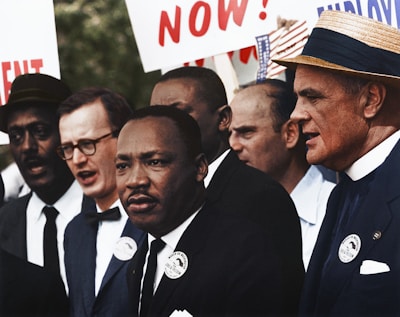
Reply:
x=78, y=157
x=299, y=114
x=235, y=142
x=29, y=142
x=137, y=177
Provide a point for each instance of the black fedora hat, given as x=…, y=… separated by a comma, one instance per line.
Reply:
x=33, y=89
x=354, y=45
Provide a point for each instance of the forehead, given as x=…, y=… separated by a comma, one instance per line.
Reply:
x=29, y=114
x=150, y=134
x=88, y=118
x=251, y=104
x=311, y=76
x=173, y=91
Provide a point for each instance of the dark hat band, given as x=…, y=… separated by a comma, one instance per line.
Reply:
x=343, y=50
x=33, y=94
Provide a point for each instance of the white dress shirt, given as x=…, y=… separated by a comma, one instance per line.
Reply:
x=68, y=206
x=108, y=234
x=310, y=197
x=171, y=240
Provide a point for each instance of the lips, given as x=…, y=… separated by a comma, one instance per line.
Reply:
x=310, y=138
x=86, y=177
x=35, y=165
x=141, y=203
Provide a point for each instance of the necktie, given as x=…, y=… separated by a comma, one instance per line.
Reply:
x=50, y=249
x=110, y=214
x=148, y=282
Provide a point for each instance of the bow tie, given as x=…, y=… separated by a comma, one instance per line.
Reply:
x=110, y=214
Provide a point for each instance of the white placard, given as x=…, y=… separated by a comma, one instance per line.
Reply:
x=28, y=41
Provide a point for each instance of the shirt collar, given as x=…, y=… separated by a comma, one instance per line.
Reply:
x=172, y=238
x=63, y=205
x=212, y=167
x=373, y=159
x=305, y=195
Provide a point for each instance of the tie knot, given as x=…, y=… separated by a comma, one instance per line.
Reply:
x=50, y=212
x=157, y=245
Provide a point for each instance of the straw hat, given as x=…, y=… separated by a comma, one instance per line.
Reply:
x=352, y=44
x=36, y=90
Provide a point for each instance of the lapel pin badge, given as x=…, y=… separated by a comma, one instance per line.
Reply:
x=377, y=235
x=349, y=248
x=176, y=265
x=125, y=248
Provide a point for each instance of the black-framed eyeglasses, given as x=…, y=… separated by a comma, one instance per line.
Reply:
x=86, y=146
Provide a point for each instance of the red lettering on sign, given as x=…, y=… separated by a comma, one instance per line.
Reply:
x=233, y=8
x=6, y=66
x=173, y=30
x=37, y=64
x=198, y=27
x=245, y=53
x=193, y=18
x=18, y=68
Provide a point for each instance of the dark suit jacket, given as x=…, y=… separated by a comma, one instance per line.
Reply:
x=13, y=227
x=343, y=291
x=242, y=190
x=232, y=271
x=80, y=264
x=26, y=289
x=29, y=290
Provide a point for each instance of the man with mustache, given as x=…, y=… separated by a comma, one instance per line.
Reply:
x=32, y=227
x=100, y=241
x=234, y=187
x=203, y=266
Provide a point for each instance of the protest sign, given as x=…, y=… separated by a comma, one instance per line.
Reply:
x=29, y=42
x=170, y=32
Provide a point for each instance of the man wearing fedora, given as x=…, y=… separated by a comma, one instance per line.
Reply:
x=32, y=227
x=347, y=83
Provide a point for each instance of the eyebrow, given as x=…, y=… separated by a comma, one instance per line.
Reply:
x=144, y=156
x=308, y=91
x=244, y=128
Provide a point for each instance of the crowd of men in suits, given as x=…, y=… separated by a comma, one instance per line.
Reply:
x=153, y=212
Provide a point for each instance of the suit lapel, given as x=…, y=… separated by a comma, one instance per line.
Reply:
x=13, y=239
x=115, y=264
x=88, y=247
x=221, y=177
x=191, y=242
x=135, y=273
x=374, y=216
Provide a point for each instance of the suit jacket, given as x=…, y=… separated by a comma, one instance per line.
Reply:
x=13, y=227
x=80, y=264
x=242, y=190
x=343, y=291
x=232, y=271
x=29, y=290
x=26, y=289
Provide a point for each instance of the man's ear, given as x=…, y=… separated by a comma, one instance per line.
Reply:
x=224, y=117
x=290, y=132
x=375, y=96
x=201, y=167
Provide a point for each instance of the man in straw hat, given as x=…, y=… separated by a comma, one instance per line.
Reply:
x=348, y=86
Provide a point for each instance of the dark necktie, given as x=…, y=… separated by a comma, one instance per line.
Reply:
x=110, y=215
x=148, y=282
x=50, y=249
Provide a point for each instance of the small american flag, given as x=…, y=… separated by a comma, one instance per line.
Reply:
x=285, y=42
